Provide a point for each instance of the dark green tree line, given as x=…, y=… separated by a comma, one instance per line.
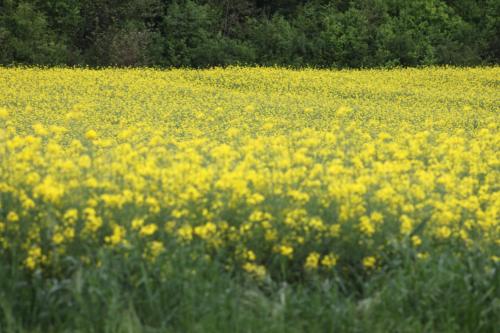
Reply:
x=201, y=33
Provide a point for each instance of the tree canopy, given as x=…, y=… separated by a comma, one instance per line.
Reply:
x=202, y=33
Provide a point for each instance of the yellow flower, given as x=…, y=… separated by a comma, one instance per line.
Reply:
x=92, y=221
x=250, y=255
x=71, y=215
x=137, y=223
x=255, y=199
x=205, y=231
x=148, y=229
x=185, y=233
x=117, y=237
x=50, y=190
x=34, y=258
x=170, y=226
x=406, y=224
x=334, y=230
x=30, y=263
x=329, y=260
x=271, y=235
x=377, y=217
x=12, y=217
x=39, y=129
x=91, y=135
x=366, y=226
x=257, y=271
x=69, y=233
x=57, y=238
x=286, y=251
x=4, y=113
x=155, y=248
x=250, y=108
x=84, y=162
x=416, y=241
x=369, y=262
x=312, y=261
x=422, y=255
x=343, y=111
x=443, y=232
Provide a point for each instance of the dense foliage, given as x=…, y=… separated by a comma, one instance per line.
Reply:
x=200, y=33
x=249, y=200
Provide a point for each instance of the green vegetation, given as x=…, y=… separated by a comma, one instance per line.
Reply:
x=202, y=33
x=444, y=294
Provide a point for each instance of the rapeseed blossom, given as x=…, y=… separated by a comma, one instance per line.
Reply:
x=312, y=261
x=369, y=262
x=324, y=171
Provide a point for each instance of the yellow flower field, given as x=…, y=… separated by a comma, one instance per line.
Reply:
x=264, y=170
